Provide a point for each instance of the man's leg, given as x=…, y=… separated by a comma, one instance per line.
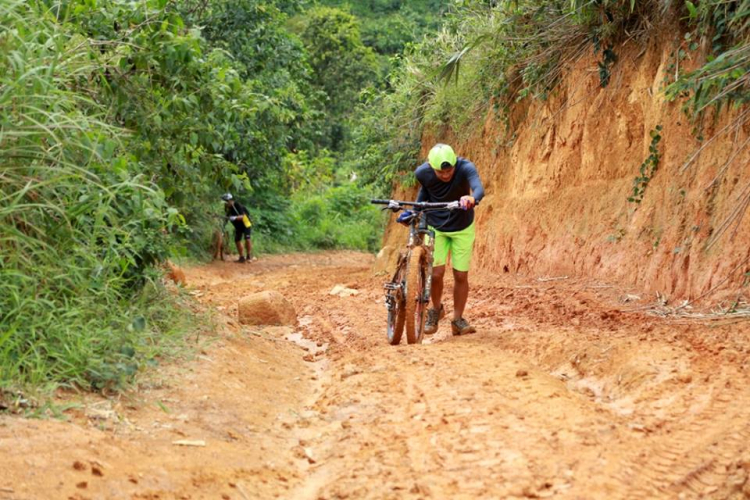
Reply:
x=436, y=292
x=462, y=246
x=439, y=255
x=238, y=241
x=460, y=292
x=249, y=248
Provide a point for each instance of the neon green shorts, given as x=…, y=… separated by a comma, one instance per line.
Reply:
x=458, y=243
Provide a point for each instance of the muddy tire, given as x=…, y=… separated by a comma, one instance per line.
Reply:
x=416, y=270
x=397, y=315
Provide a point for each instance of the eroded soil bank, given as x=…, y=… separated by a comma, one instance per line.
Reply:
x=558, y=174
x=569, y=390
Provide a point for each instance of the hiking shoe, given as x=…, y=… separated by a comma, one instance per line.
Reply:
x=461, y=327
x=433, y=318
x=241, y=260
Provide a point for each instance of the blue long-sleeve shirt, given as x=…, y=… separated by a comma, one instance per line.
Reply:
x=465, y=182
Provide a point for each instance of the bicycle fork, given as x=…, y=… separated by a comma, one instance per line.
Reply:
x=394, y=289
x=428, y=243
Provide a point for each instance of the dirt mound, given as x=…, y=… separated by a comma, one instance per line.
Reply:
x=266, y=308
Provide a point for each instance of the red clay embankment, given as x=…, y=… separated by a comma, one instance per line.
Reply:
x=558, y=184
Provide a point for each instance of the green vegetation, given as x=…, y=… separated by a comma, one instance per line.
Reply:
x=648, y=168
x=121, y=122
x=389, y=26
x=341, y=66
x=120, y=125
x=492, y=54
x=81, y=221
x=723, y=27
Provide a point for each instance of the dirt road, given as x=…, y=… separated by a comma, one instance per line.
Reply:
x=560, y=394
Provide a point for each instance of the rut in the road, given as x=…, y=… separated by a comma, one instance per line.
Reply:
x=559, y=395
x=497, y=415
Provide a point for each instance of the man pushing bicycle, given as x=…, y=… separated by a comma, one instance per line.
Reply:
x=445, y=178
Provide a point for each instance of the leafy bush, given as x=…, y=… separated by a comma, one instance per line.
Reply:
x=490, y=54
x=341, y=67
x=121, y=122
x=81, y=224
x=724, y=28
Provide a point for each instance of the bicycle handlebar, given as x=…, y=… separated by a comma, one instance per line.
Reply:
x=396, y=204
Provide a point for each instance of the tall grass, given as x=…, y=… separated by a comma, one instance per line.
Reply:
x=80, y=225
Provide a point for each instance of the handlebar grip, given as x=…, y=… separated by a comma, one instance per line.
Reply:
x=380, y=202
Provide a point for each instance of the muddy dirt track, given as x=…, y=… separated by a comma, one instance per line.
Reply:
x=568, y=390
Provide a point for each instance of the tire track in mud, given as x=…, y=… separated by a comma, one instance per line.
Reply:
x=706, y=457
x=473, y=428
x=496, y=414
x=469, y=432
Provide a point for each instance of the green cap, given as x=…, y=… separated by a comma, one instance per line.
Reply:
x=440, y=154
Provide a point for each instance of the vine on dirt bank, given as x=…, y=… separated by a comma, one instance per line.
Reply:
x=648, y=167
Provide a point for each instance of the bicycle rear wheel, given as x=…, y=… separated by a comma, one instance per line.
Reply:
x=396, y=313
x=416, y=276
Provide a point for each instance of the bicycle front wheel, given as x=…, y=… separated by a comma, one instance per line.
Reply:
x=416, y=277
x=396, y=313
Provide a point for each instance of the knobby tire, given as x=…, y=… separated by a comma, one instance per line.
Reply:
x=416, y=270
x=397, y=316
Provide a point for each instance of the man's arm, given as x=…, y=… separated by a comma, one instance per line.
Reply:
x=422, y=195
x=475, y=183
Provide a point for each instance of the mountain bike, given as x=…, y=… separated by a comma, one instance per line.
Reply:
x=408, y=292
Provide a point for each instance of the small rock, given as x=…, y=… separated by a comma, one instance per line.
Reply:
x=522, y=373
x=82, y=485
x=629, y=298
x=349, y=371
x=299, y=452
x=342, y=291
x=189, y=442
x=77, y=465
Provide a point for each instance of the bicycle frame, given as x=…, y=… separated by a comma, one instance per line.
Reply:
x=420, y=234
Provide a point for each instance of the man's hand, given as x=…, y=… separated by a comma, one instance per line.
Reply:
x=467, y=202
x=405, y=217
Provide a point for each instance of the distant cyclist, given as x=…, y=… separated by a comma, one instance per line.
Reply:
x=445, y=178
x=243, y=228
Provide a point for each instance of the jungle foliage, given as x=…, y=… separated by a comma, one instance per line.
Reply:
x=489, y=54
x=122, y=122
x=120, y=125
